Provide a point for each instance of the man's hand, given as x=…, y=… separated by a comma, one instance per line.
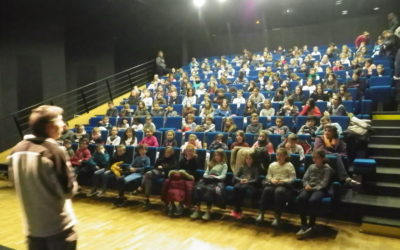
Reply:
x=244, y=181
x=274, y=181
x=308, y=188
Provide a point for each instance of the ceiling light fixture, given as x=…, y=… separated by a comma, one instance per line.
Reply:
x=376, y=8
x=199, y=3
x=345, y=12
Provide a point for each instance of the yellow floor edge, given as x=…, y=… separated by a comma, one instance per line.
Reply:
x=386, y=117
x=380, y=230
x=82, y=119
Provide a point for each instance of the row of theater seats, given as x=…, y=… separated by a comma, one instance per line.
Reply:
x=174, y=123
x=355, y=107
x=207, y=137
x=204, y=155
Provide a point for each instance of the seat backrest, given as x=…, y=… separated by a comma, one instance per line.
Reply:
x=174, y=122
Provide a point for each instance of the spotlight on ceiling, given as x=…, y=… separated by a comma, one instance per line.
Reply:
x=258, y=22
x=345, y=12
x=376, y=8
x=288, y=11
x=199, y=3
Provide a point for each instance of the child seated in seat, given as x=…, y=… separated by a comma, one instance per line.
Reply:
x=114, y=138
x=218, y=143
x=130, y=178
x=156, y=110
x=224, y=110
x=105, y=124
x=162, y=166
x=267, y=110
x=178, y=187
x=192, y=140
x=210, y=188
x=80, y=133
x=188, y=124
x=239, y=140
x=239, y=99
x=103, y=176
x=112, y=110
x=99, y=161
x=147, y=99
x=82, y=155
x=126, y=111
x=149, y=140
x=170, y=112
x=68, y=147
x=309, y=128
x=170, y=140
x=280, y=128
x=255, y=126
x=208, y=126
x=136, y=124
x=149, y=124
x=316, y=183
x=95, y=137
x=277, y=186
x=263, y=142
x=246, y=181
x=292, y=146
x=123, y=124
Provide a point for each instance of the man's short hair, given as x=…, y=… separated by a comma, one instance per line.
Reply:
x=41, y=116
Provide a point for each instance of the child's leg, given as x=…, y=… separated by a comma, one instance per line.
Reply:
x=147, y=182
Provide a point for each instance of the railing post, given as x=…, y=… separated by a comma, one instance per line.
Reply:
x=84, y=101
x=109, y=90
x=18, y=126
x=130, y=80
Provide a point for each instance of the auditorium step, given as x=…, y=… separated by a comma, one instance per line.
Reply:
x=383, y=149
x=383, y=122
x=387, y=161
x=361, y=204
x=386, y=130
x=382, y=188
x=385, y=139
x=380, y=226
x=388, y=174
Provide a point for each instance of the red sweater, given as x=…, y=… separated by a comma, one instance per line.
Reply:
x=306, y=111
x=80, y=155
x=149, y=141
x=360, y=39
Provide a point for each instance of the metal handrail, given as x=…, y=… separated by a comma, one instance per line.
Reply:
x=84, y=98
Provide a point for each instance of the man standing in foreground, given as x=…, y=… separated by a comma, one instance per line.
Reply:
x=44, y=182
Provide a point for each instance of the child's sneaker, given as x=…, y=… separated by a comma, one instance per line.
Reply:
x=236, y=215
x=206, y=216
x=195, y=215
x=93, y=192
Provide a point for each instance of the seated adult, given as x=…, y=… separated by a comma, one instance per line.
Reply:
x=332, y=144
x=337, y=108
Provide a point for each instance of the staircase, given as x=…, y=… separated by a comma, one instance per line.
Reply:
x=379, y=203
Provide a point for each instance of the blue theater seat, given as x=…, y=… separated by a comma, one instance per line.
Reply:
x=322, y=106
x=342, y=120
x=173, y=122
x=375, y=81
x=238, y=120
x=381, y=94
